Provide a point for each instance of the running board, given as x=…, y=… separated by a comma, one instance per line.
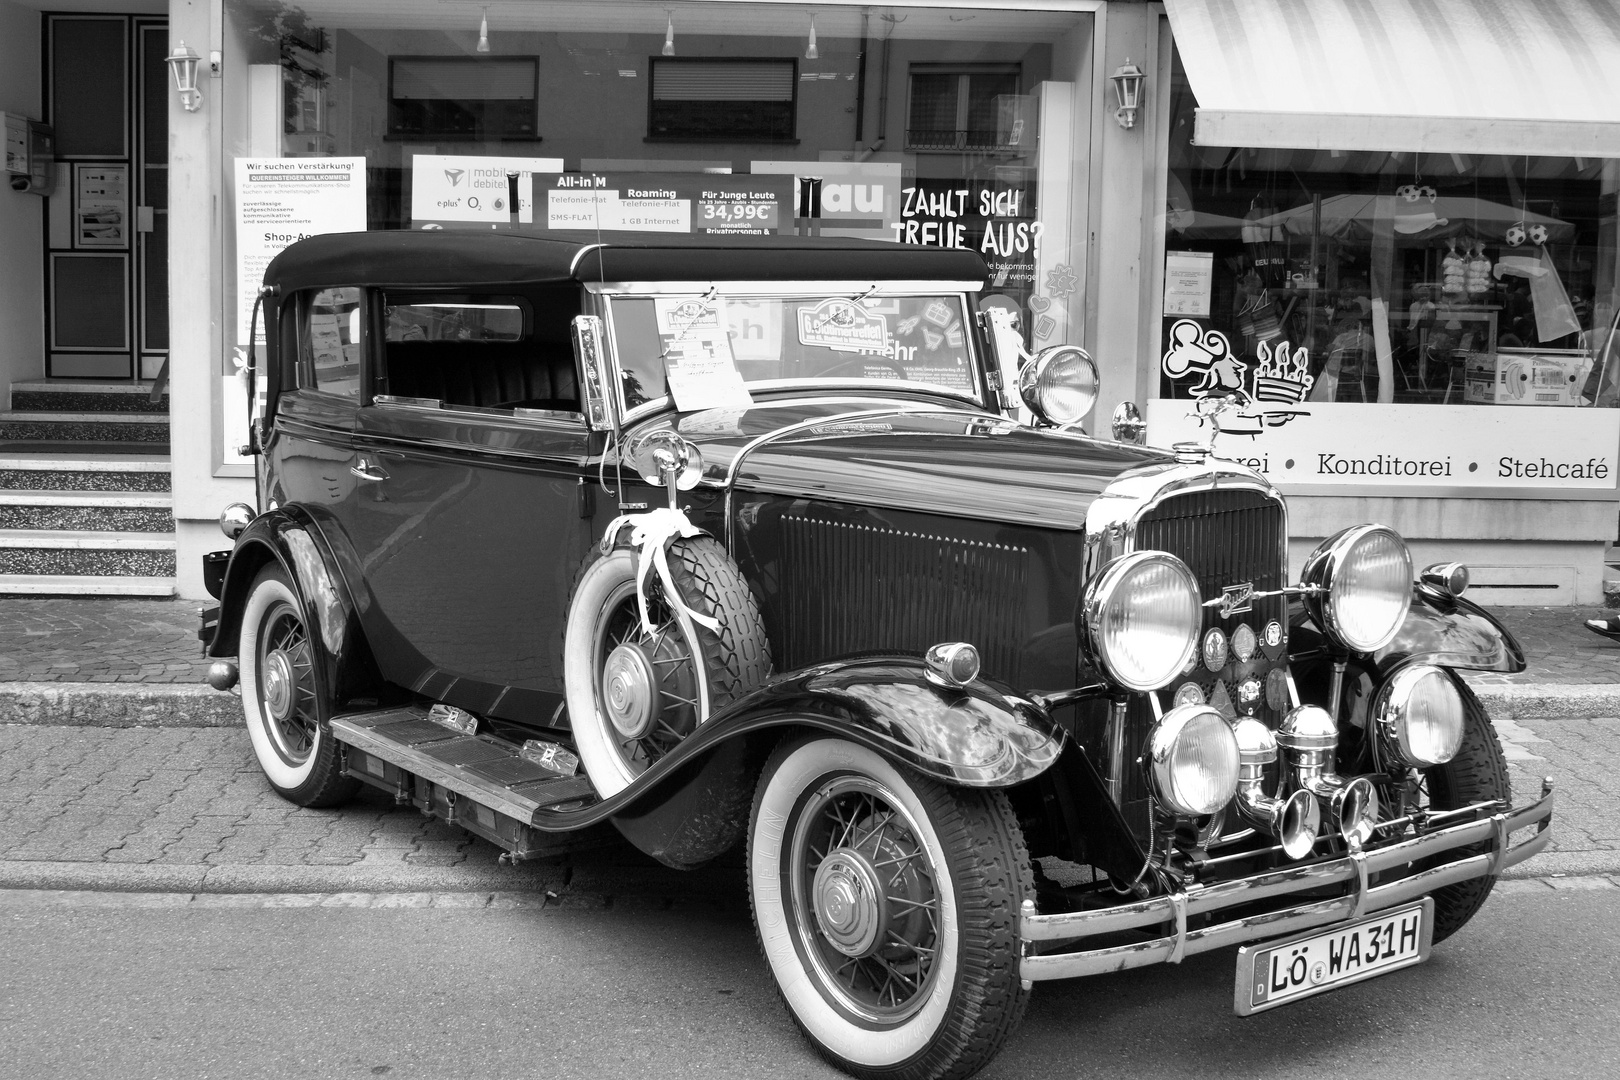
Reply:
x=475, y=781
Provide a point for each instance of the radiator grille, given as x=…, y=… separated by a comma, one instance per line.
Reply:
x=1225, y=538
x=858, y=587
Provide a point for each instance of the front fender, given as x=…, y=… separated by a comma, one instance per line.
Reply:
x=1450, y=632
x=286, y=536
x=981, y=735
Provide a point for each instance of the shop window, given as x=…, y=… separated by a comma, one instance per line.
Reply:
x=1300, y=277
x=458, y=97
x=723, y=100
x=329, y=347
x=970, y=107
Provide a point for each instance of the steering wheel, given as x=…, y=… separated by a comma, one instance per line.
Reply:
x=881, y=361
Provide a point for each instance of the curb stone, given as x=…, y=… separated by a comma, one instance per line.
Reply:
x=118, y=705
x=1526, y=701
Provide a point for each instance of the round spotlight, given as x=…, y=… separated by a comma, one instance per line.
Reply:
x=1060, y=385
x=1419, y=717
x=1193, y=757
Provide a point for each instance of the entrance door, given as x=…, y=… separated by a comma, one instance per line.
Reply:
x=107, y=273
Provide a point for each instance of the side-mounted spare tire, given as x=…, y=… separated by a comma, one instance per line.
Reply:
x=633, y=696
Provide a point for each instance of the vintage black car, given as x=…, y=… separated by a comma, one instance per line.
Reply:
x=795, y=547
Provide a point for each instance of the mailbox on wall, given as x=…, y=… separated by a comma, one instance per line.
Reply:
x=30, y=154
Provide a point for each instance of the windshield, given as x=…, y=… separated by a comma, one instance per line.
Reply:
x=709, y=351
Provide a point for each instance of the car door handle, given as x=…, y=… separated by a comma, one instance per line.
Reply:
x=365, y=469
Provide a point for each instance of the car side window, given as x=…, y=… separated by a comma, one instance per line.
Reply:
x=480, y=350
x=329, y=345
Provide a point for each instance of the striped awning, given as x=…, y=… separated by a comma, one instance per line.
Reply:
x=1441, y=76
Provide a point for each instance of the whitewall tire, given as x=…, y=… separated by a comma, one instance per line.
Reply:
x=887, y=907
x=632, y=696
x=281, y=697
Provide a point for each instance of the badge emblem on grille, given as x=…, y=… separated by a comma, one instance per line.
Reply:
x=1236, y=599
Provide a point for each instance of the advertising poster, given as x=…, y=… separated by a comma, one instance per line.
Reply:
x=280, y=201
x=453, y=190
x=555, y=201
x=841, y=198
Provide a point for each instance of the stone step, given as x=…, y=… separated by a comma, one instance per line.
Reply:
x=92, y=511
x=147, y=471
x=112, y=432
x=84, y=585
x=87, y=553
x=64, y=395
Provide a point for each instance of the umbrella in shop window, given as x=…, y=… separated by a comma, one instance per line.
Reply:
x=1356, y=217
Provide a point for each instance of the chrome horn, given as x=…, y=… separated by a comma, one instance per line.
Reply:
x=1310, y=737
x=1293, y=821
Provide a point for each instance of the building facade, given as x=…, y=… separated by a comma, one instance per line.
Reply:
x=1391, y=244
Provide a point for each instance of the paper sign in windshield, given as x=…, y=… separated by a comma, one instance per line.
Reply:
x=698, y=365
x=843, y=325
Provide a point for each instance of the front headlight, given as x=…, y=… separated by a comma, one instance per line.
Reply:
x=1359, y=586
x=1419, y=717
x=1142, y=616
x=1060, y=384
x=1193, y=756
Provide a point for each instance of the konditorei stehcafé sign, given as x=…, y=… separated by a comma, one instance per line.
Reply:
x=1268, y=414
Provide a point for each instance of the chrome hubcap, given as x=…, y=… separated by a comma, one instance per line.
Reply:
x=848, y=903
x=629, y=691
x=278, y=684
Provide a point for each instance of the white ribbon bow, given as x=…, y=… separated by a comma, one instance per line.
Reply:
x=651, y=533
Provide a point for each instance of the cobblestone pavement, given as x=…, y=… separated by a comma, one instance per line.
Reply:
x=195, y=798
x=155, y=641
x=95, y=640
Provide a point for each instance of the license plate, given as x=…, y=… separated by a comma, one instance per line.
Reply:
x=1279, y=972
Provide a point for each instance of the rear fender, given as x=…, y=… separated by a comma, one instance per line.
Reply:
x=285, y=536
x=1450, y=631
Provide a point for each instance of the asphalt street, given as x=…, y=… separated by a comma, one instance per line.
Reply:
x=116, y=985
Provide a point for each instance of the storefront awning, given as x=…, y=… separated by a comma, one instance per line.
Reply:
x=1443, y=76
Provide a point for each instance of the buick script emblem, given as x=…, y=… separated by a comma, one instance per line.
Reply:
x=1237, y=598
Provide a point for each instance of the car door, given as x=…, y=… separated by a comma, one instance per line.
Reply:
x=311, y=456
x=470, y=525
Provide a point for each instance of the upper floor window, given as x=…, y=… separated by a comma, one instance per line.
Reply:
x=963, y=107
x=723, y=100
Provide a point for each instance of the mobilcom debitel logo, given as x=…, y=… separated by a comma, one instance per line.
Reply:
x=454, y=176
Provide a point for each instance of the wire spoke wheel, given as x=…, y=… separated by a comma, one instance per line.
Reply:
x=886, y=904
x=867, y=898
x=650, y=687
x=286, y=673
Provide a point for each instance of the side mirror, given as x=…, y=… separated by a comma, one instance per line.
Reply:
x=592, y=360
x=665, y=459
x=1129, y=427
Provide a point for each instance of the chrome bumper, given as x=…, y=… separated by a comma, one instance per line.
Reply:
x=1352, y=870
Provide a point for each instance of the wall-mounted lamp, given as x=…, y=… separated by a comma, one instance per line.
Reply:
x=812, y=52
x=1128, y=81
x=483, y=32
x=669, y=35
x=183, y=64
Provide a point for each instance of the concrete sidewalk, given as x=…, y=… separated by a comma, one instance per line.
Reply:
x=123, y=771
